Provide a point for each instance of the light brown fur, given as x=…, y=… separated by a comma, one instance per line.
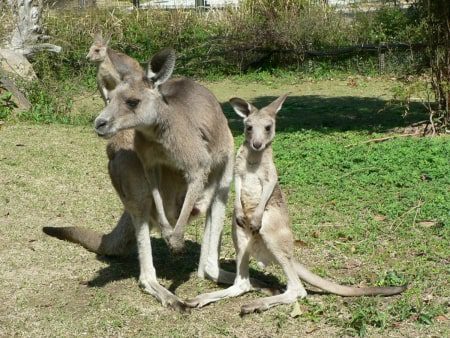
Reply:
x=261, y=226
x=112, y=66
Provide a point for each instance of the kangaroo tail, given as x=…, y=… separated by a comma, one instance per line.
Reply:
x=342, y=290
x=119, y=242
x=87, y=238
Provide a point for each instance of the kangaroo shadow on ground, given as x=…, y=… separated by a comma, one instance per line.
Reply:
x=176, y=268
x=330, y=114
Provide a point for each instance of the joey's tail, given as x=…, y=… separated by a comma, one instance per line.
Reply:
x=119, y=242
x=342, y=290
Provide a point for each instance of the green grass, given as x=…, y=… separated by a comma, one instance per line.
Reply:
x=363, y=213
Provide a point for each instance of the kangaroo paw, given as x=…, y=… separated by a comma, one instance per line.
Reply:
x=179, y=306
x=256, y=306
x=176, y=244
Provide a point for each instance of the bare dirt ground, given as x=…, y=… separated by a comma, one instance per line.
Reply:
x=57, y=175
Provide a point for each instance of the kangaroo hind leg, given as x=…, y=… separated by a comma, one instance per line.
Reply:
x=242, y=281
x=215, y=217
x=147, y=276
x=293, y=291
x=276, y=243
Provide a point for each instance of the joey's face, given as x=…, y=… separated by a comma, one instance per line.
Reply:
x=97, y=52
x=259, y=124
x=133, y=105
x=259, y=129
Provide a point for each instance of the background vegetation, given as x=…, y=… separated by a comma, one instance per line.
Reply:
x=260, y=36
x=363, y=212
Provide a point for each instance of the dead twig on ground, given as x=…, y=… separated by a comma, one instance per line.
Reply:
x=400, y=218
x=359, y=170
x=381, y=139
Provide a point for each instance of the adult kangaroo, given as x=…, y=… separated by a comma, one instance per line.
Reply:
x=170, y=157
x=112, y=66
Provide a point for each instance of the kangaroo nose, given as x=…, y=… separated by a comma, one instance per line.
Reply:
x=100, y=123
x=257, y=145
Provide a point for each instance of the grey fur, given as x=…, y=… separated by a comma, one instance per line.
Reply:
x=170, y=156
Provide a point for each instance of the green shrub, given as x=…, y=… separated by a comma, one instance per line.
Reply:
x=390, y=24
x=7, y=105
x=260, y=35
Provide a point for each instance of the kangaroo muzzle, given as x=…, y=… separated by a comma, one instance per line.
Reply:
x=102, y=127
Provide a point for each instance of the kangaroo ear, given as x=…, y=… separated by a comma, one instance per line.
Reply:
x=98, y=37
x=161, y=66
x=107, y=39
x=242, y=107
x=275, y=106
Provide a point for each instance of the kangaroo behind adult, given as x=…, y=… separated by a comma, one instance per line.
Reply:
x=112, y=66
x=170, y=156
x=261, y=226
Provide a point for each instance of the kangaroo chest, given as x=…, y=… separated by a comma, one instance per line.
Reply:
x=151, y=152
x=108, y=76
x=253, y=178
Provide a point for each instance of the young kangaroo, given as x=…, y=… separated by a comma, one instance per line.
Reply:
x=261, y=225
x=112, y=66
x=178, y=126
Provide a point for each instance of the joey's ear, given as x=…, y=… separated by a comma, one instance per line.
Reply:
x=107, y=39
x=98, y=37
x=275, y=106
x=161, y=66
x=242, y=107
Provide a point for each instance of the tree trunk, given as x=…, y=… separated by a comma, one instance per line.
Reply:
x=27, y=37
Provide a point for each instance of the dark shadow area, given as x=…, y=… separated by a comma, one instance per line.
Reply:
x=329, y=114
x=176, y=268
x=270, y=280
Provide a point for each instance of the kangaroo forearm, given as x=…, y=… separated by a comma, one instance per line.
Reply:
x=156, y=194
x=238, y=187
x=193, y=192
x=265, y=195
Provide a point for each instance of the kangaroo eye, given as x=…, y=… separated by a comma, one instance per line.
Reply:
x=133, y=103
x=268, y=127
x=249, y=128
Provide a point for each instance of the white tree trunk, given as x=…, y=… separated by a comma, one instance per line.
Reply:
x=27, y=37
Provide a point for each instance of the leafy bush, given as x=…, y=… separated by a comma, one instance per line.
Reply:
x=7, y=105
x=390, y=24
x=260, y=35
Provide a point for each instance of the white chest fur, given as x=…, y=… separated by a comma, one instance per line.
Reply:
x=254, y=174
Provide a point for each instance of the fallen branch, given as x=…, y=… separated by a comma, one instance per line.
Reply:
x=381, y=139
x=358, y=171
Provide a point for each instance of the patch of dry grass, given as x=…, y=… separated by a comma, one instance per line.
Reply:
x=57, y=175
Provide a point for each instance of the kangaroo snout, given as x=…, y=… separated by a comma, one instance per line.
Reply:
x=257, y=145
x=101, y=126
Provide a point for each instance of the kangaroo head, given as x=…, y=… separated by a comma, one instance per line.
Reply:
x=98, y=50
x=137, y=101
x=259, y=124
